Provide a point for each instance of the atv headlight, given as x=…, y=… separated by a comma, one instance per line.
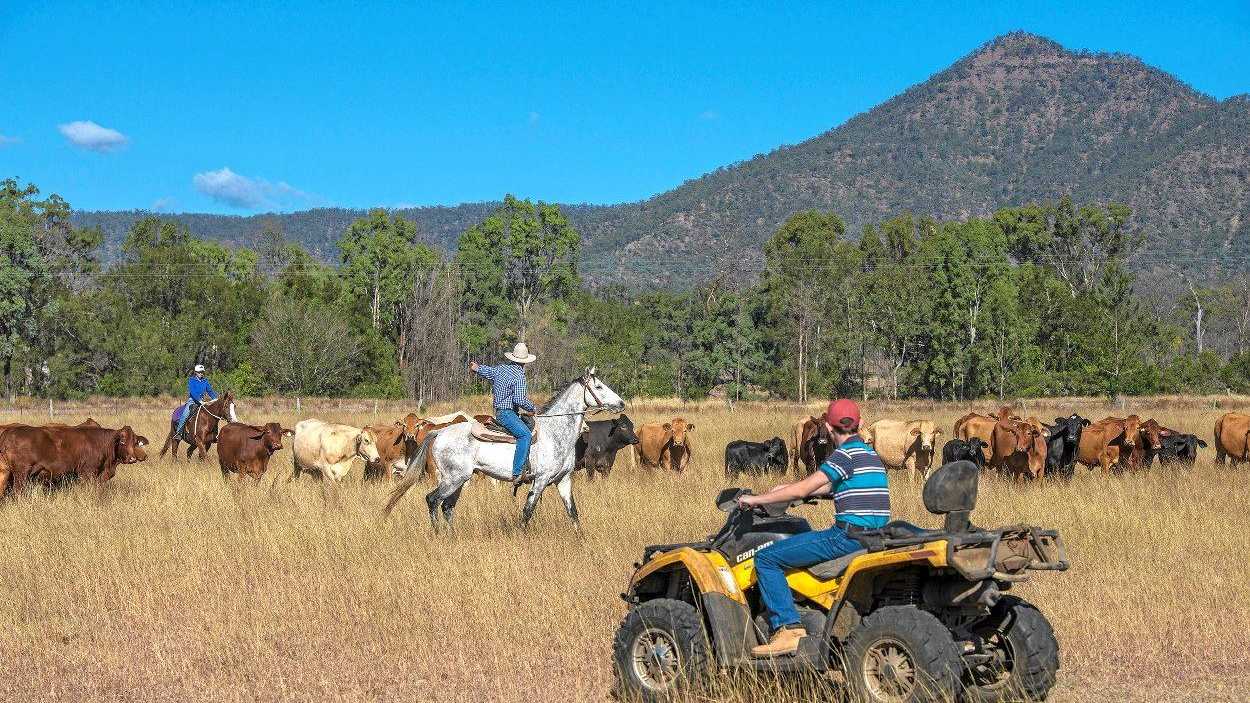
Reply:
x=727, y=576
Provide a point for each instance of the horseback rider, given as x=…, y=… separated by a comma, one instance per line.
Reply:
x=854, y=475
x=507, y=383
x=197, y=387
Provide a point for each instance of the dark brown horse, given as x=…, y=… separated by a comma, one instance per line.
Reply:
x=201, y=428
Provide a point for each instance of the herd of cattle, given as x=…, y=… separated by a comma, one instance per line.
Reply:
x=1022, y=447
x=1005, y=442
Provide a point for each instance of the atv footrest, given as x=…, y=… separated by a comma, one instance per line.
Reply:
x=810, y=656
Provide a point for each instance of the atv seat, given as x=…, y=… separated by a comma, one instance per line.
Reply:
x=901, y=529
x=834, y=568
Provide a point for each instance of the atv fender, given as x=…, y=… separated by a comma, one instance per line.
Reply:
x=722, y=603
x=856, y=584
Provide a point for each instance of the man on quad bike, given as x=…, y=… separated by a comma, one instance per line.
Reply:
x=855, y=476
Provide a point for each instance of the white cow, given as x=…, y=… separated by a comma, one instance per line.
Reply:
x=327, y=449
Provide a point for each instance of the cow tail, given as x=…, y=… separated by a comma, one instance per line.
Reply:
x=411, y=477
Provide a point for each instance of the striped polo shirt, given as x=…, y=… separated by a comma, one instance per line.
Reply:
x=861, y=494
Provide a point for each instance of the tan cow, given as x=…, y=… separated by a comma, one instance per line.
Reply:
x=1098, y=436
x=1232, y=438
x=327, y=450
x=979, y=426
x=907, y=445
x=666, y=446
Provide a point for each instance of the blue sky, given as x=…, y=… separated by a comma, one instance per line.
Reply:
x=245, y=107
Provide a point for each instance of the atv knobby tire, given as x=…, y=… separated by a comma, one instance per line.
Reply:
x=901, y=654
x=660, y=649
x=1032, y=655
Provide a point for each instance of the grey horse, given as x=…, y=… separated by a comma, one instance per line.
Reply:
x=457, y=454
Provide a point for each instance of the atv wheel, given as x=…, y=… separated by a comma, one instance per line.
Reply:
x=1027, y=656
x=901, y=654
x=660, y=649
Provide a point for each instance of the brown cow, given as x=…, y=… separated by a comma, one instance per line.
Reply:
x=1232, y=439
x=979, y=426
x=246, y=448
x=395, y=448
x=1098, y=436
x=54, y=454
x=666, y=446
x=1148, y=439
x=1029, y=458
x=812, y=442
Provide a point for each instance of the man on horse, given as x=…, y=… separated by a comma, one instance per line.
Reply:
x=507, y=382
x=197, y=387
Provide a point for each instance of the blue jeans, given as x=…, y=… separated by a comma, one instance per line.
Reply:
x=512, y=422
x=182, y=419
x=795, y=552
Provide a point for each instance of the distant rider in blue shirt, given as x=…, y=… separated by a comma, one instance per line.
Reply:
x=507, y=382
x=197, y=387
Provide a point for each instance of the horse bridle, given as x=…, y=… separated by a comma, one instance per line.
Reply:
x=587, y=390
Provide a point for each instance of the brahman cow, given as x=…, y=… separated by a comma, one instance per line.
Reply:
x=1149, y=439
x=666, y=446
x=964, y=450
x=907, y=445
x=755, y=457
x=1098, y=436
x=246, y=449
x=596, y=448
x=58, y=453
x=1232, y=438
x=981, y=427
x=812, y=444
x=327, y=449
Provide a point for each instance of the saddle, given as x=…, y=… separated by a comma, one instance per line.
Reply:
x=487, y=429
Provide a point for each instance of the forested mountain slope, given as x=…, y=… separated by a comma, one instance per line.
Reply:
x=1021, y=119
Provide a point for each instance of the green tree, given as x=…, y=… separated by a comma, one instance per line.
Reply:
x=796, y=281
x=520, y=258
x=382, y=257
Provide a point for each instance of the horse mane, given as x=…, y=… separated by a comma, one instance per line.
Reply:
x=556, y=396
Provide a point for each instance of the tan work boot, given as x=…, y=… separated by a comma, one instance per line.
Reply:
x=784, y=641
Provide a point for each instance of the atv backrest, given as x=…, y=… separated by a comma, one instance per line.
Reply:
x=952, y=491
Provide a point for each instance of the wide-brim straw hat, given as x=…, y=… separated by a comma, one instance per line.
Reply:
x=520, y=354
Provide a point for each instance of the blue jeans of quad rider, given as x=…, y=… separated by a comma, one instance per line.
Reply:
x=512, y=422
x=805, y=549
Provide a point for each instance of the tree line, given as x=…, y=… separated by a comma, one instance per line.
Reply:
x=1036, y=300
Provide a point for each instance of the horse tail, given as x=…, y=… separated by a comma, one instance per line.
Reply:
x=411, y=477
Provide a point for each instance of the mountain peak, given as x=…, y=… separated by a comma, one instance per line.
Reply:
x=1019, y=44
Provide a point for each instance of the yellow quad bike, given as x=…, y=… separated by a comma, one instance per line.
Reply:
x=916, y=615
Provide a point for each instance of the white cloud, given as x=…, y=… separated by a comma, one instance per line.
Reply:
x=88, y=135
x=6, y=140
x=163, y=204
x=709, y=115
x=236, y=190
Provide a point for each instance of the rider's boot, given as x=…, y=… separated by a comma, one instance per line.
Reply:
x=526, y=476
x=784, y=641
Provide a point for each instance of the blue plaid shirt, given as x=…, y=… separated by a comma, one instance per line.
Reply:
x=507, y=384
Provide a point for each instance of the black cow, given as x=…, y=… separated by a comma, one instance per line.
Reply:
x=964, y=450
x=756, y=457
x=1062, y=444
x=1176, y=450
x=597, y=448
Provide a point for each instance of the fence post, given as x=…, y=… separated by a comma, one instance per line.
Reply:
x=297, y=404
x=50, y=413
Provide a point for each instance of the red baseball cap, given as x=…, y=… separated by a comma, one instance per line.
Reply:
x=843, y=414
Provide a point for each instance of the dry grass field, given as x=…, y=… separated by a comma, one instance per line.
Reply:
x=169, y=583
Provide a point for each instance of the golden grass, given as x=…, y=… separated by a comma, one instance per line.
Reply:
x=171, y=584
